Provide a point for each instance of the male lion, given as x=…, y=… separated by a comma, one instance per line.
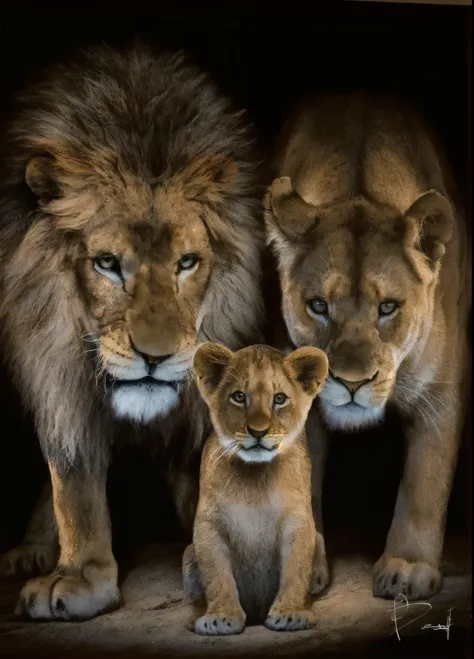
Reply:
x=375, y=270
x=130, y=232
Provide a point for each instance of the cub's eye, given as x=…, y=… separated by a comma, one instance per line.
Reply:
x=387, y=307
x=318, y=306
x=279, y=399
x=188, y=261
x=238, y=397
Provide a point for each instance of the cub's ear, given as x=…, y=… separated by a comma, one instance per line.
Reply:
x=310, y=366
x=41, y=175
x=429, y=224
x=209, y=363
x=286, y=209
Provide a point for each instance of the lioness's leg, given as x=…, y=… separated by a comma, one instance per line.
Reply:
x=84, y=582
x=411, y=560
x=288, y=612
x=224, y=614
x=39, y=549
x=317, y=444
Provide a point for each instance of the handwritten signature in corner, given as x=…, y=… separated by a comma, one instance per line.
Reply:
x=401, y=602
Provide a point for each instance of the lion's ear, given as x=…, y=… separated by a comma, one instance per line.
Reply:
x=310, y=366
x=429, y=224
x=209, y=363
x=42, y=178
x=286, y=209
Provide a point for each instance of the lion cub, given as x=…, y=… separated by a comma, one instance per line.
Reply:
x=254, y=536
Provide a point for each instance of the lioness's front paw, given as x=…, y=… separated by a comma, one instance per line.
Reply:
x=213, y=624
x=290, y=621
x=27, y=560
x=67, y=597
x=396, y=576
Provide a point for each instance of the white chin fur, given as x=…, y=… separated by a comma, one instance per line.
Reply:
x=350, y=416
x=257, y=455
x=142, y=403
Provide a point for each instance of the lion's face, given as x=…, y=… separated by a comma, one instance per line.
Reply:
x=258, y=398
x=143, y=274
x=360, y=291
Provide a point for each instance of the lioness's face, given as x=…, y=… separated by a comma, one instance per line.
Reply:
x=354, y=291
x=143, y=273
x=258, y=398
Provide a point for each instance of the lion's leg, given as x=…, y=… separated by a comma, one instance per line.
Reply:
x=411, y=560
x=84, y=583
x=317, y=444
x=39, y=549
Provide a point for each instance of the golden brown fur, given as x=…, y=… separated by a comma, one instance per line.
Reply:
x=254, y=541
x=129, y=234
x=374, y=266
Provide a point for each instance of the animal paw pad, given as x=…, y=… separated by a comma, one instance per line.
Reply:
x=216, y=625
x=395, y=576
x=290, y=622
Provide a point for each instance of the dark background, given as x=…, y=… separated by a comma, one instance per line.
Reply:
x=265, y=57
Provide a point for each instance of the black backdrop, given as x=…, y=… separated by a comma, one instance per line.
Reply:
x=265, y=57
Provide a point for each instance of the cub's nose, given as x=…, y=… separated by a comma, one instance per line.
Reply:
x=258, y=434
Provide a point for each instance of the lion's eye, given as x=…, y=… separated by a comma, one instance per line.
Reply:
x=318, y=306
x=238, y=397
x=279, y=399
x=108, y=262
x=188, y=261
x=387, y=307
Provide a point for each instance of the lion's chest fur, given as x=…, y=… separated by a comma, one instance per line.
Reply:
x=254, y=539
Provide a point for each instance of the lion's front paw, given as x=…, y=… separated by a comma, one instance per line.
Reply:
x=213, y=624
x=29, y=559
x=67, y=597
x=289, y=621
x=396, y=576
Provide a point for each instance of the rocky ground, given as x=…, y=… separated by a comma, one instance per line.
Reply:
x=156, y=619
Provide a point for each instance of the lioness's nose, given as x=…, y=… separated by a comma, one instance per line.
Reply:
x=258, y=434
x=353, y=385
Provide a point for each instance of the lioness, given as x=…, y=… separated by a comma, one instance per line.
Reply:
x=254, y=538
x=374, y=265
x=130, y=232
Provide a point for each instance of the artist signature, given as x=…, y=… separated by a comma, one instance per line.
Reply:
x=401, y=603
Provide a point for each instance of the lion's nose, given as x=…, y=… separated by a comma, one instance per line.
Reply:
x=353, y=385
x=258, y=434
x=151, y=360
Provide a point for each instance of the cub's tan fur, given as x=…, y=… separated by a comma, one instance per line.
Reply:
x=254, y=541
x=374, y=264
x=130, y=232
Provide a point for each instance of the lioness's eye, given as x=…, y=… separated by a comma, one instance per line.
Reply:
x=318, y=306
x=187, y=261
x=387, y=307
x=107, y=262
x=279, y=399
x=238, y=397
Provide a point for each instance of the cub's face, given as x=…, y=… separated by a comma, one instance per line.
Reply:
x=258, y=398
x=358, y=282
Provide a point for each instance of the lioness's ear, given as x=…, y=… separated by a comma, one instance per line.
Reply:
x=209, y=363
x=287, y=209
x=310, y=366
x=429, y=222
x=41, y=177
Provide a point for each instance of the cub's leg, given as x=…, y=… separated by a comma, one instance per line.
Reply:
x=185, y=490
x=84, y=583
x=288, y=612
x=317, y=445
x=224, y=614
x=39, y=549
x=411, y=560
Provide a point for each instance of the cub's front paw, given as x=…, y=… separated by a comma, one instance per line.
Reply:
x=29, y=559
x=290, y=621
x=396, y=576
x=67, y=597
x=213, y=624
x=320, y=577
